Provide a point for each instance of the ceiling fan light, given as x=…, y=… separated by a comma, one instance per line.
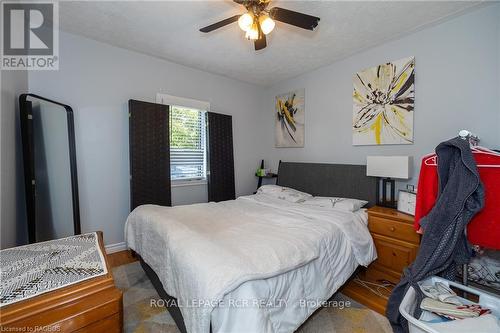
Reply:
x=266, y=24
x=245, y=21
x=252, y=33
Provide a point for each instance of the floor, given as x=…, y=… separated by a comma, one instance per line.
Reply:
x=120, y=258
x=367, y=293
x=141, y=314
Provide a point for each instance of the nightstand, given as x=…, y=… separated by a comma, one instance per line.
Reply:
x=397, y=244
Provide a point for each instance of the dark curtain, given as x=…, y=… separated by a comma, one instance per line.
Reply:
x=220, y=157
x=149, y=141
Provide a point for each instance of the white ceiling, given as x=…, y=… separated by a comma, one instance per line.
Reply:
x=169, y=30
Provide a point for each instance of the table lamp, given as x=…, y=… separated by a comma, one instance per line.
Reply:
x=388, y=168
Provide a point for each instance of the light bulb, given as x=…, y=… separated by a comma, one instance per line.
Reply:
x=266, y=24
x=253, y=32
x=245, y=21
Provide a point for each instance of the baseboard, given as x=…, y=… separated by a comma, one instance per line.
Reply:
x=112, y=248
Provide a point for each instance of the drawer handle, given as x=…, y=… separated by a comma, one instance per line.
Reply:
x=392, y=229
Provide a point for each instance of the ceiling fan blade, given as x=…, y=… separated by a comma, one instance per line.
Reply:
x=297, y=19
x=220, y=24
x=260, y=43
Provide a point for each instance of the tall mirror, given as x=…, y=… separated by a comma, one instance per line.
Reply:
x=49, y=168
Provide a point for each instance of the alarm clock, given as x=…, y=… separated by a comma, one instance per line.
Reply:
x=407, y=201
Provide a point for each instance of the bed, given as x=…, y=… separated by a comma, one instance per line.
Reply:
x=258, y=263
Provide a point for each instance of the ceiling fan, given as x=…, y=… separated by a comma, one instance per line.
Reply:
x=258, y=21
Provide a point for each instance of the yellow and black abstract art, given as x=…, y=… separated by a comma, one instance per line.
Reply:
x=289, y=121
x=383, y=104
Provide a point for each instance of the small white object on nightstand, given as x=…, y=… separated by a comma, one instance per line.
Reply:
x=407, y=201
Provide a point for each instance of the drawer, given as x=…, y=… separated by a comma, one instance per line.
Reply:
x=73, y=315
x=111, y=324
x=394, y=229
x=392, y=254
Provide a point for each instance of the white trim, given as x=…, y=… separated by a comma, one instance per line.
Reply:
x=195, y=182
x=182, y=101
x=112, y=248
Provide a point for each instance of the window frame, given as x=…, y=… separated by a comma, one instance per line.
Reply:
x=203, y=137
x=202, y=106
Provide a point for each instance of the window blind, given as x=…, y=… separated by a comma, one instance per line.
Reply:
x=187, y=144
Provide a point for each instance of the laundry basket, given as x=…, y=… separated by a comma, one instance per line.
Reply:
x=409, y=304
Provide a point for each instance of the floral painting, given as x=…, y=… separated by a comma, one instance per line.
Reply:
x=383, y=103
x=289, y=123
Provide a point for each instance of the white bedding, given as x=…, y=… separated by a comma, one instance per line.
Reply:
x=272, y=253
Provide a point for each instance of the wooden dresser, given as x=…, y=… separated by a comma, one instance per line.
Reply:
x=397, y=244
x=94, y=305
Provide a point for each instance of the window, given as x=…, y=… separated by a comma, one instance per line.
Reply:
x=187, y=144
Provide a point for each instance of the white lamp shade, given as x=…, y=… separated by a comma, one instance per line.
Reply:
x=245, y=21
x=389, y=166
x=266, y=24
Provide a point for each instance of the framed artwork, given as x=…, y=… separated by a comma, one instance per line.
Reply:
x=383, y=104
x=289, y=120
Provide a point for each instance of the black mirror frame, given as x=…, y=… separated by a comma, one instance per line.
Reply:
x=29, y=163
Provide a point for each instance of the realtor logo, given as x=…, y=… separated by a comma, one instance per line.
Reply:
x=30, y=35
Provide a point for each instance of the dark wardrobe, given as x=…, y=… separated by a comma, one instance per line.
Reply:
x=149, y=141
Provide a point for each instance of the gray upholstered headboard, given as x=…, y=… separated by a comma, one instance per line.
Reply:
x=329, y=180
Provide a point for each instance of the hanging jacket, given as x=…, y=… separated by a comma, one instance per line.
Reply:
x=484, y=229
x=443, y=245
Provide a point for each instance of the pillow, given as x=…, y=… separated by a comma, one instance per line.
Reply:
x=350, y=205
x=283, y=193
x=266, y=189
x=347, y=204
x=320, y=201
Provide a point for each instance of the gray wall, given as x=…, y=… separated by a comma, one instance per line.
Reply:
x=188, y=194
x=97, y=80
x=457, y=87
x=12, y=208
x=498, y=76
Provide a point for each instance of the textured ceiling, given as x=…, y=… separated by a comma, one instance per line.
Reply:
x=169, y=30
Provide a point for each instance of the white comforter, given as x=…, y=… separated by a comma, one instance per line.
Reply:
x=204, y=254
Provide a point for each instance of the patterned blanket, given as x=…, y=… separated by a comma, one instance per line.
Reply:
x=30, y=270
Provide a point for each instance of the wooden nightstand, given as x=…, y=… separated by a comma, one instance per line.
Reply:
x=397, y=244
